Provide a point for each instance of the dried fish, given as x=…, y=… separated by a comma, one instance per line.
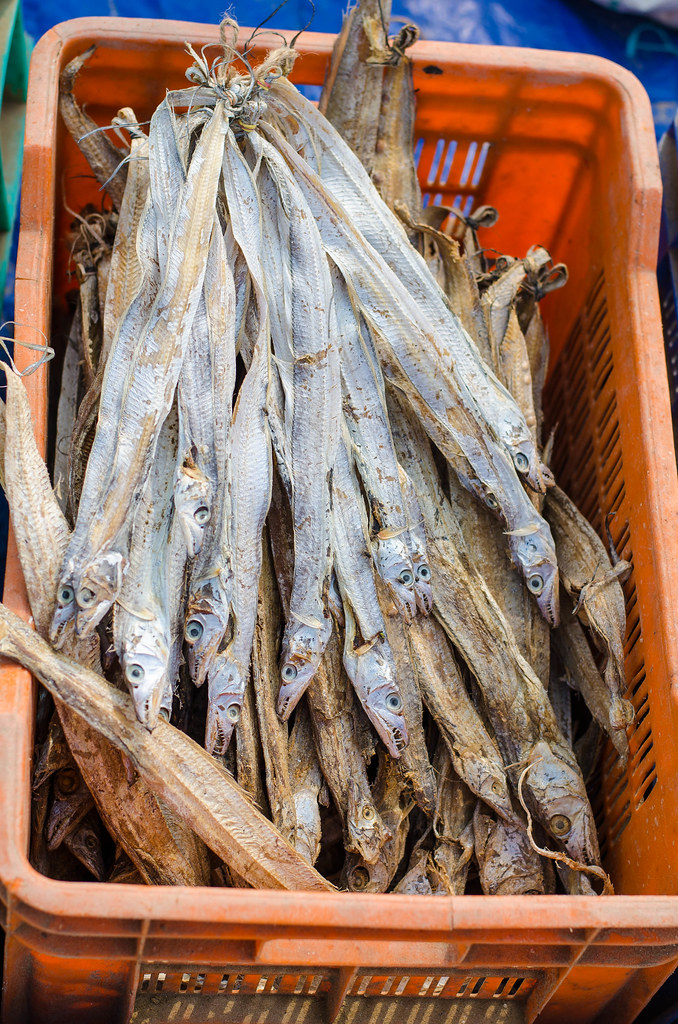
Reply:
x=452, y=825
x=175, y=767
x=105, y=159
x=593, y=583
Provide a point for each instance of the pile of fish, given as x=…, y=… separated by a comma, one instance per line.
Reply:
x=302, y=514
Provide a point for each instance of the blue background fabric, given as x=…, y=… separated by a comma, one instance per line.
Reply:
x=648, y=49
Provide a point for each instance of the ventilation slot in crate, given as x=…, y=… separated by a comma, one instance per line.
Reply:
x=450, y=173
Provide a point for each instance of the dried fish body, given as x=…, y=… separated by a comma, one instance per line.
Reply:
x=416, y=881
x=447, y=408
x=142, y=627
x=273, y=732
x=592, y=581
x=347, y=180
x=67, y=409
x=210, y=591
x=351, y=96
x=314, y=438
x=416, y=536
x=507, y=863
x=455, y=274
x=413, y=761
x=364, y=402
x=204, y=796
x=92, y=573
x=162, y=848
x=251, y=467
x=196, y=472
x=486, y=544
x=473, y=752
x=368, y=660
x=251, y=494
x=128, y=267
x=393, y=804
x=608, y=709
x=105, y=159
x=248, y=752
x=452, y=825
x=307, y=783
x=393, y=170
x=333, y=715
x=511, y=692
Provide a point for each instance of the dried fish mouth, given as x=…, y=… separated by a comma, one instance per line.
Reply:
x=541, y=574
x=193, y=503
x=394, y=565
x=301, y=654
x=145, y=663
x=383, y=703
x=204, y=631
x=99, y=585
x=226, y=680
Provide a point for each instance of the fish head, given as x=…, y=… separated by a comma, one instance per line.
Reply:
x=528, y=464
x=367, y=832
x=63, y=620
x=361, y=876
x=227, y=679
x=422, y=570
x=99, y=586
x=85, y=844
x=558, y=793
x=193, y=504
x=204, y=629
x=301, y=653
x=380, y=695
x=492, y=787
x=394, y=565
x=422, y=586
x=145, y=665
x=535, y=554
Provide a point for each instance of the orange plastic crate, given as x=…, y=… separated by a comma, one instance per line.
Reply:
x=564, y=146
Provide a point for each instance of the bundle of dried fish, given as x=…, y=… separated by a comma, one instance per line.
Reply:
x=304, y=457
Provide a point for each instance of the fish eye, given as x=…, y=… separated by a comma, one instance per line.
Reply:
x=90, y=843
x=406, y=578
x=67, y=781
x=360, y=878
x=134, y=673
x=368, y=813
x=289, y=673
x=536, y=583
x=233, y=712
x=201, y=515
x=194, y=630
x=491, y=501
x=86, y=597
x=423, y=572
x=560, y=824
x=394, y=702
x=65, y=595
x=497, y=787
x=522, y=462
